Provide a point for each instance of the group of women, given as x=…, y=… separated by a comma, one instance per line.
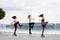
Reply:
x=31, y=24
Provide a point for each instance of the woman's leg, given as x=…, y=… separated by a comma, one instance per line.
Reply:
x=15, y=29
x=42, y=31
x=19, y=24
x=32, y=25
x=30, y=28
x=43, y=28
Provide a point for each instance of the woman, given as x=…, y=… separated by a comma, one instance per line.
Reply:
x=31, y=24
x=43, y=23
x=15, y=22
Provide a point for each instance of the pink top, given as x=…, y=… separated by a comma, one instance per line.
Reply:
x=15, y=21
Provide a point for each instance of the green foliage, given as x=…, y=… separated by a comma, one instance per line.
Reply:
x=2, y=13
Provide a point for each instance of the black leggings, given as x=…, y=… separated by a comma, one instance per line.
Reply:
x=15, y=25
x=43, y=27
x=31, y=26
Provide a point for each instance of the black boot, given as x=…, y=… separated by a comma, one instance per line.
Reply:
x=30, y=33
x=15, y=34
x=42, y=35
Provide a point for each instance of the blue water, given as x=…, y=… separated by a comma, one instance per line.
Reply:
x=37, y=26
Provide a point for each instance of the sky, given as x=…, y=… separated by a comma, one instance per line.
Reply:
x=23, y=8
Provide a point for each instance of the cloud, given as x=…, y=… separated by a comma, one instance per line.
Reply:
x=49, y=8
x=51, y=4
x=10, y=5
x=24, y=5
x=29, y=5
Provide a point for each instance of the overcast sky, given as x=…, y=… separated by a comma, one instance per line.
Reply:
x=22, y=8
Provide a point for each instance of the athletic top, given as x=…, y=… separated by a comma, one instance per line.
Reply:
x=42, y=21
x=29, y=20
x=15, y=21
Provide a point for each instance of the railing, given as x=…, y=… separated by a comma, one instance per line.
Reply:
x=25, y=26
